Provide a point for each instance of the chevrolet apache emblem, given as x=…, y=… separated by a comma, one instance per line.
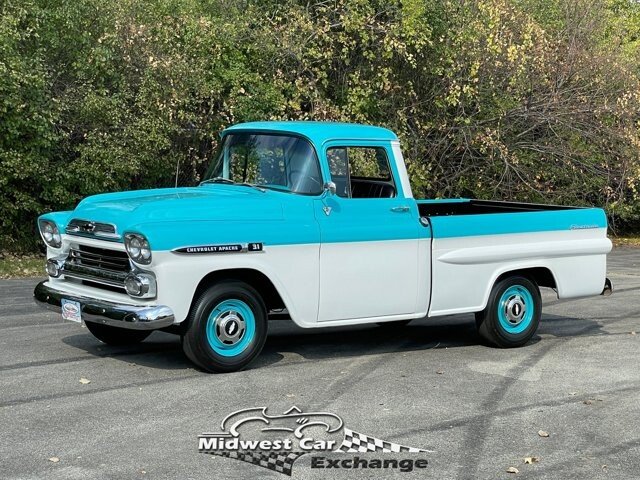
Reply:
x=233, y=248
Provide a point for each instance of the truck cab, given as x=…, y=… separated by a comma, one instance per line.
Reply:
x=316, y=221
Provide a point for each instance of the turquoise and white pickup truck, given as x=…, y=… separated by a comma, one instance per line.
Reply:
x=316, y=221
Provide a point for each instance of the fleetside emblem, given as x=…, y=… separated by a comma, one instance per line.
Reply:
x=232, y=248
x=583, y=227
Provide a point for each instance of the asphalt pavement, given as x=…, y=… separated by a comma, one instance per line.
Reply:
x=430, y=385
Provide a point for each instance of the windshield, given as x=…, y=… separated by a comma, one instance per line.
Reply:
x=280, y=162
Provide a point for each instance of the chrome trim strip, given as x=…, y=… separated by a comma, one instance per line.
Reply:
x=77, y=253
x=106, y=237
x=89, y=278
x=134, y=317
x=106, y=273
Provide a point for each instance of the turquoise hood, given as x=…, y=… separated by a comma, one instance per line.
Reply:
x=209, y=202
x=211, y=214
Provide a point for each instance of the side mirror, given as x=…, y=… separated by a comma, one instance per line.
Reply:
x=330, y=188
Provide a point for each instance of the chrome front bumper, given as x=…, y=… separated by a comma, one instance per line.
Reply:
x=99, y=311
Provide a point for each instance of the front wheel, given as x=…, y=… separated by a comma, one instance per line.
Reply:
x=115, y=335
x=227, y=327
x=512, y=314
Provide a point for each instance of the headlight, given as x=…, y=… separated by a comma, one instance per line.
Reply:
x=137, y=248
x=50, y=233
x=142, y=285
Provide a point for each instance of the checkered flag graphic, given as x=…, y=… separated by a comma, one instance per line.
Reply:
x=277, y=461
x=355, y=442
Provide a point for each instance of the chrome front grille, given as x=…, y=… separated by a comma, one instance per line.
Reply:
x=97, y=266
x=102, y=258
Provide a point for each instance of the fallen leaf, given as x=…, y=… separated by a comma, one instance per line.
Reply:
x=530, y=460
x=85, y=381
x=54, y=459
x=513, y=470
x=543, y=434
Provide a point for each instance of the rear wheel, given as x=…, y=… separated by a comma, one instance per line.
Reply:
x=227, y=327
x=513, y=313
x=115, y=335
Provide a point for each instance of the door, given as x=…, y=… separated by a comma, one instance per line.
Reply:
x=370, y=236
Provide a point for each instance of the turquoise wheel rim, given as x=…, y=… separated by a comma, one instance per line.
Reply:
x=516, y=309
x=231, y=327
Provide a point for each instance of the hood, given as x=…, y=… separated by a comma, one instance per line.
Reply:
x=207, y=203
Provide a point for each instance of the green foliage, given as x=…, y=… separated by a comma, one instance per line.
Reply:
x=532, y=100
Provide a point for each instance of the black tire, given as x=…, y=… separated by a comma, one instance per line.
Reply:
x=226, y=328
x=115, y=335
x=513, y=313
x=394, y=324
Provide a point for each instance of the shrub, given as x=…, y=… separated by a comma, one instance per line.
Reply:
x=533, y=100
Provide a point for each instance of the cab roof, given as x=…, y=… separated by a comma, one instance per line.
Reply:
x=319, y=132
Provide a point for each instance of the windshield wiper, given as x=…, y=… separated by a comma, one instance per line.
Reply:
x=252, y=185
x=231, y=182
x=279, y=188
x=217, y=180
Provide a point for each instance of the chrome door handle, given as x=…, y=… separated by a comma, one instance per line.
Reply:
x=400, y=209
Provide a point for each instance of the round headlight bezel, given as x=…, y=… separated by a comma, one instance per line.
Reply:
x=138, y=248
x=50, y=233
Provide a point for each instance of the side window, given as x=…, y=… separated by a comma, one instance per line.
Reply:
x=370, y=163
x=361, y=172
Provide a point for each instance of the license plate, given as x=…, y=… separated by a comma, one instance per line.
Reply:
x=71, y=310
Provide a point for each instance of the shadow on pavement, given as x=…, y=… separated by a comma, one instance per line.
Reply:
x=164, y=351
x=562, y=327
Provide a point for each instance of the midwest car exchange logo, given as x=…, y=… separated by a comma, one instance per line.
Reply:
x=276, y=441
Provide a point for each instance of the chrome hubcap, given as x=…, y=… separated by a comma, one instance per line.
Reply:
x=229, y=327
x=514, y=309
